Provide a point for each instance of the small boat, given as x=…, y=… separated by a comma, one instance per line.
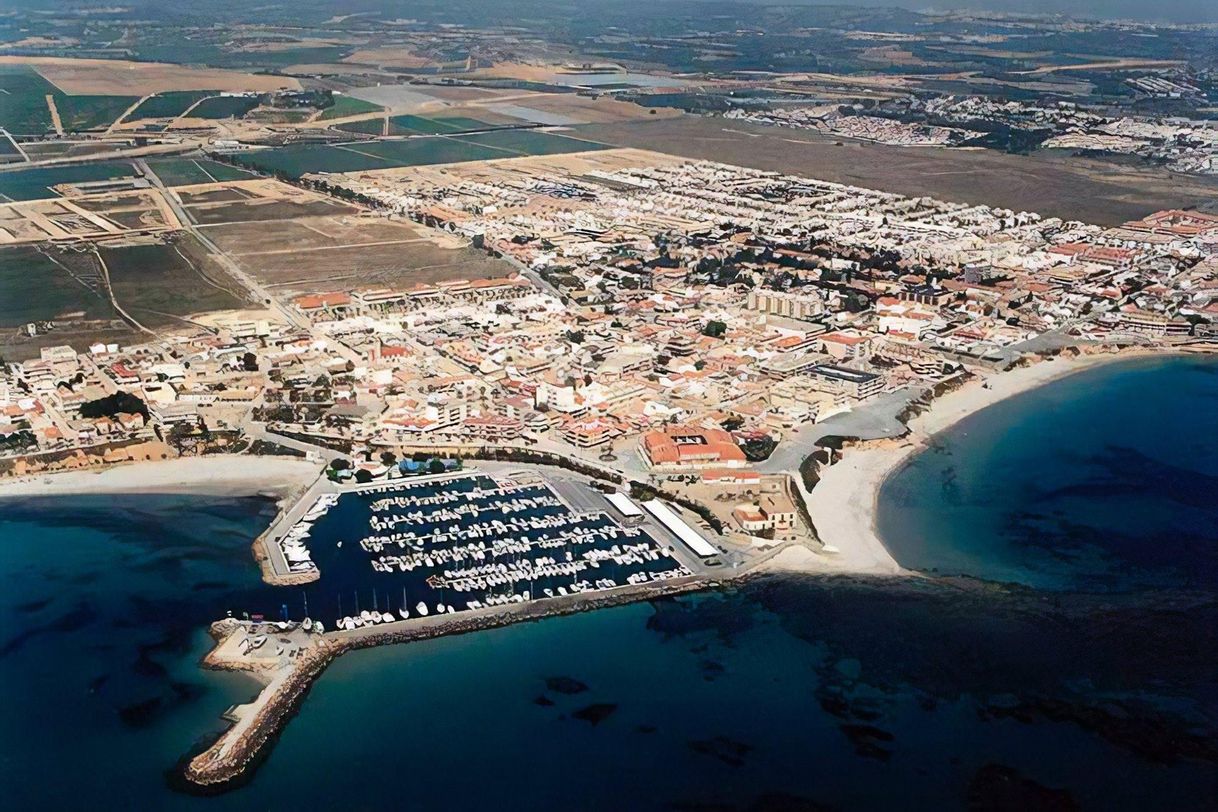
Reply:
x=404, y=614
x=421, y=608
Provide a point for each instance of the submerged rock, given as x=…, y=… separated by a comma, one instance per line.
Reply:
x=565, y=685
x=595, y=714
x=1000, y=788
x=730, y=752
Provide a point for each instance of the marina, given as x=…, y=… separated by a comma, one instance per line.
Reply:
x=391, y=552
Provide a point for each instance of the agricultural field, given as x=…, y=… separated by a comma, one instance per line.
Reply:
x=159, y=283
x=296, y=241
x=23, y=104
x=423, y=151
x=530, y=142
x=36, y=286
x=348, y=106
x=34, y=184
x=169, y=105
x=188, y=172
x=80, y=113
x=368, y=126
x=257, y=201
x=24, y=109
x=54, y=284
x=347, y=252
x=218, y=107
x=302, y=159
x=420, y=125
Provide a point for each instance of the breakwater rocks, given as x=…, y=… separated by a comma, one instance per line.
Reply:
x=232, y=758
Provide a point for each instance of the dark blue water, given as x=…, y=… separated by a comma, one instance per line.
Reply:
x=1106, y=480
x=796, y=693
x=348, y=582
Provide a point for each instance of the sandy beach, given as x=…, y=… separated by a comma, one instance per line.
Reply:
x=219, y=475
x=843, y=503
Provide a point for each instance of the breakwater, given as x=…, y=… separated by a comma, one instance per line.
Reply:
x=244, y=745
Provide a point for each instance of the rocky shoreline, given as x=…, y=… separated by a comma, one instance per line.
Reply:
x=227, y=762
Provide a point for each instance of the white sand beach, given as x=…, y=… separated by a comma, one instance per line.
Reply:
x=843, y=503
x=219, y=475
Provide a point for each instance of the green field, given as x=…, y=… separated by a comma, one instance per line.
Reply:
x=418, y=125
x=421, y=151
x=78, y=113
x=35, y=288
x=23, y=104
x=187, y=172
x=224, y=107
x=369, y=126
x=348, y=106
x=169, y=105
x=530, y=142
x=33, y=184
x=24, y=111
x=301, y=159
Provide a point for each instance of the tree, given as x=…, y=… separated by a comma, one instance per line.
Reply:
x=340, y=465
x=436, y=466
x=757, y=449
x=249, y=362
x=112, y=405
x=388, y=458
x=732, y=423
x=363, y=476
x=714, y=329
x=181, y=436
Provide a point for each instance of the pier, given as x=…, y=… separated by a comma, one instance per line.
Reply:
x=287, y=679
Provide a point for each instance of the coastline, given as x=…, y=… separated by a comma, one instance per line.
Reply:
x=214, y=475
x=844, y=504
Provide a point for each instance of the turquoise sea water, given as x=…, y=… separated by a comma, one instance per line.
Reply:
x=1074, y=689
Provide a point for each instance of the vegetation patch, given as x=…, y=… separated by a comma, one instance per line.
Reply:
x=162, y=282
x=34, y=287
x=169, y=105
x=188, y=172
x=218, y=107
x=348, y=106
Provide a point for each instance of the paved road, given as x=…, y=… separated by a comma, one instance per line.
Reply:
x=873, y=420
x=258, y=431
